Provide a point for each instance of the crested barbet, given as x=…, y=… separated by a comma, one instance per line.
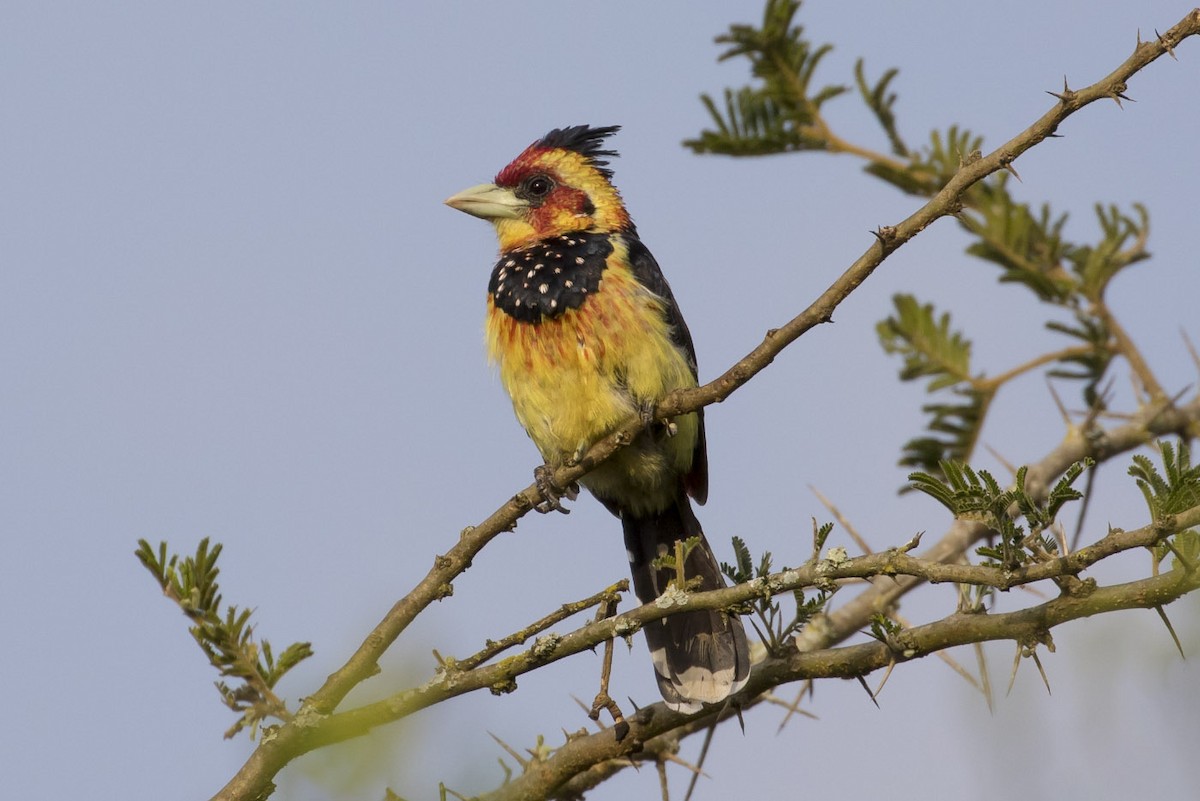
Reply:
x=585, y=333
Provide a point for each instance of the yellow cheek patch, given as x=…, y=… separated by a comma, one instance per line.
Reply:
x=573, y=170
x=590, y=204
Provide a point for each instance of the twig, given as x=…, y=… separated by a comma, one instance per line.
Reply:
x=605, y=597
x=1127, y=348
x=843, y=521
x=992, y=384
x=603, y=699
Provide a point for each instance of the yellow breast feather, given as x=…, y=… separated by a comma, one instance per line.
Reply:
x=574, y=377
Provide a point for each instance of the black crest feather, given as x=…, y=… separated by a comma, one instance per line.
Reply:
x=586, y=141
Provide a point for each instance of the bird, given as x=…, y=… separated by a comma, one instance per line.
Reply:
x=585, y=333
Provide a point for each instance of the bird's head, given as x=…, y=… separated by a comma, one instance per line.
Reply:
x=559, y=184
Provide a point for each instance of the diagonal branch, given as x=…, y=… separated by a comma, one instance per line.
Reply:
x=609, y=595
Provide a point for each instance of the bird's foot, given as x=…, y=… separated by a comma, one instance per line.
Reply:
x=552, y=494
x=653, y=424
x=646, y=413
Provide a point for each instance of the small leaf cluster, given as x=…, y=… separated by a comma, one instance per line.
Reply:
x=776, y=627
x=780, y=113
x=1031, y=249
x=932, y=349
x=880, y=100
x=924, y=171
x=1173, y=490
x=1176, y=488
x=1027, y=246
x=226, y=639
x=1091, y=361
x=975, y=495
x=676, y=561
x=883, y=628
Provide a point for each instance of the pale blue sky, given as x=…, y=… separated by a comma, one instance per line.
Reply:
x=233, y=305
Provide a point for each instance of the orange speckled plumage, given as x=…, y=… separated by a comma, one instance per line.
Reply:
x=575, y=377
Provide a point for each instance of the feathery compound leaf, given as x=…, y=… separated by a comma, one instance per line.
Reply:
x=772, y=625
x=928, y=170
x=1029, y=248
x=880, y=102
x=931, y=349
x=743, y=568
x=778, y=114
x=158, y=563
x=1096, y=265
x=293, y=655
x=976, y=495
x=820, y=535
x=1063, y=492
x=959, y=423
x=1174, y=492
x=935, y=488
x=753, y=123
x=1091, y=365
x=1149, y=481
x=965, y=492
x=227, y=641
x=1186, y=547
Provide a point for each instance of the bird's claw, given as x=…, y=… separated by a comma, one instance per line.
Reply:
x=651, y=423
x=646, y=413
x=552, y=494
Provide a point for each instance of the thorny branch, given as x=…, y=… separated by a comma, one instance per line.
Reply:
x=606, y=599
x=312, y=727
x=449, y=683
x=847, y=661
x=584, y=761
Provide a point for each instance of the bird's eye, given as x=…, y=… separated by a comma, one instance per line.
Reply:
x=538, y=186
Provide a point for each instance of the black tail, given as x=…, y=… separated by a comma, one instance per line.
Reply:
x=700, y=657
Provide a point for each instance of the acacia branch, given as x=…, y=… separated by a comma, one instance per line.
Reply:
x=501, y=676
x=254, y=779
x=1147, y=424
x=1126, y=347
x=902, y=573
x=609, y=595
x=989, y=385
x=583, y=761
